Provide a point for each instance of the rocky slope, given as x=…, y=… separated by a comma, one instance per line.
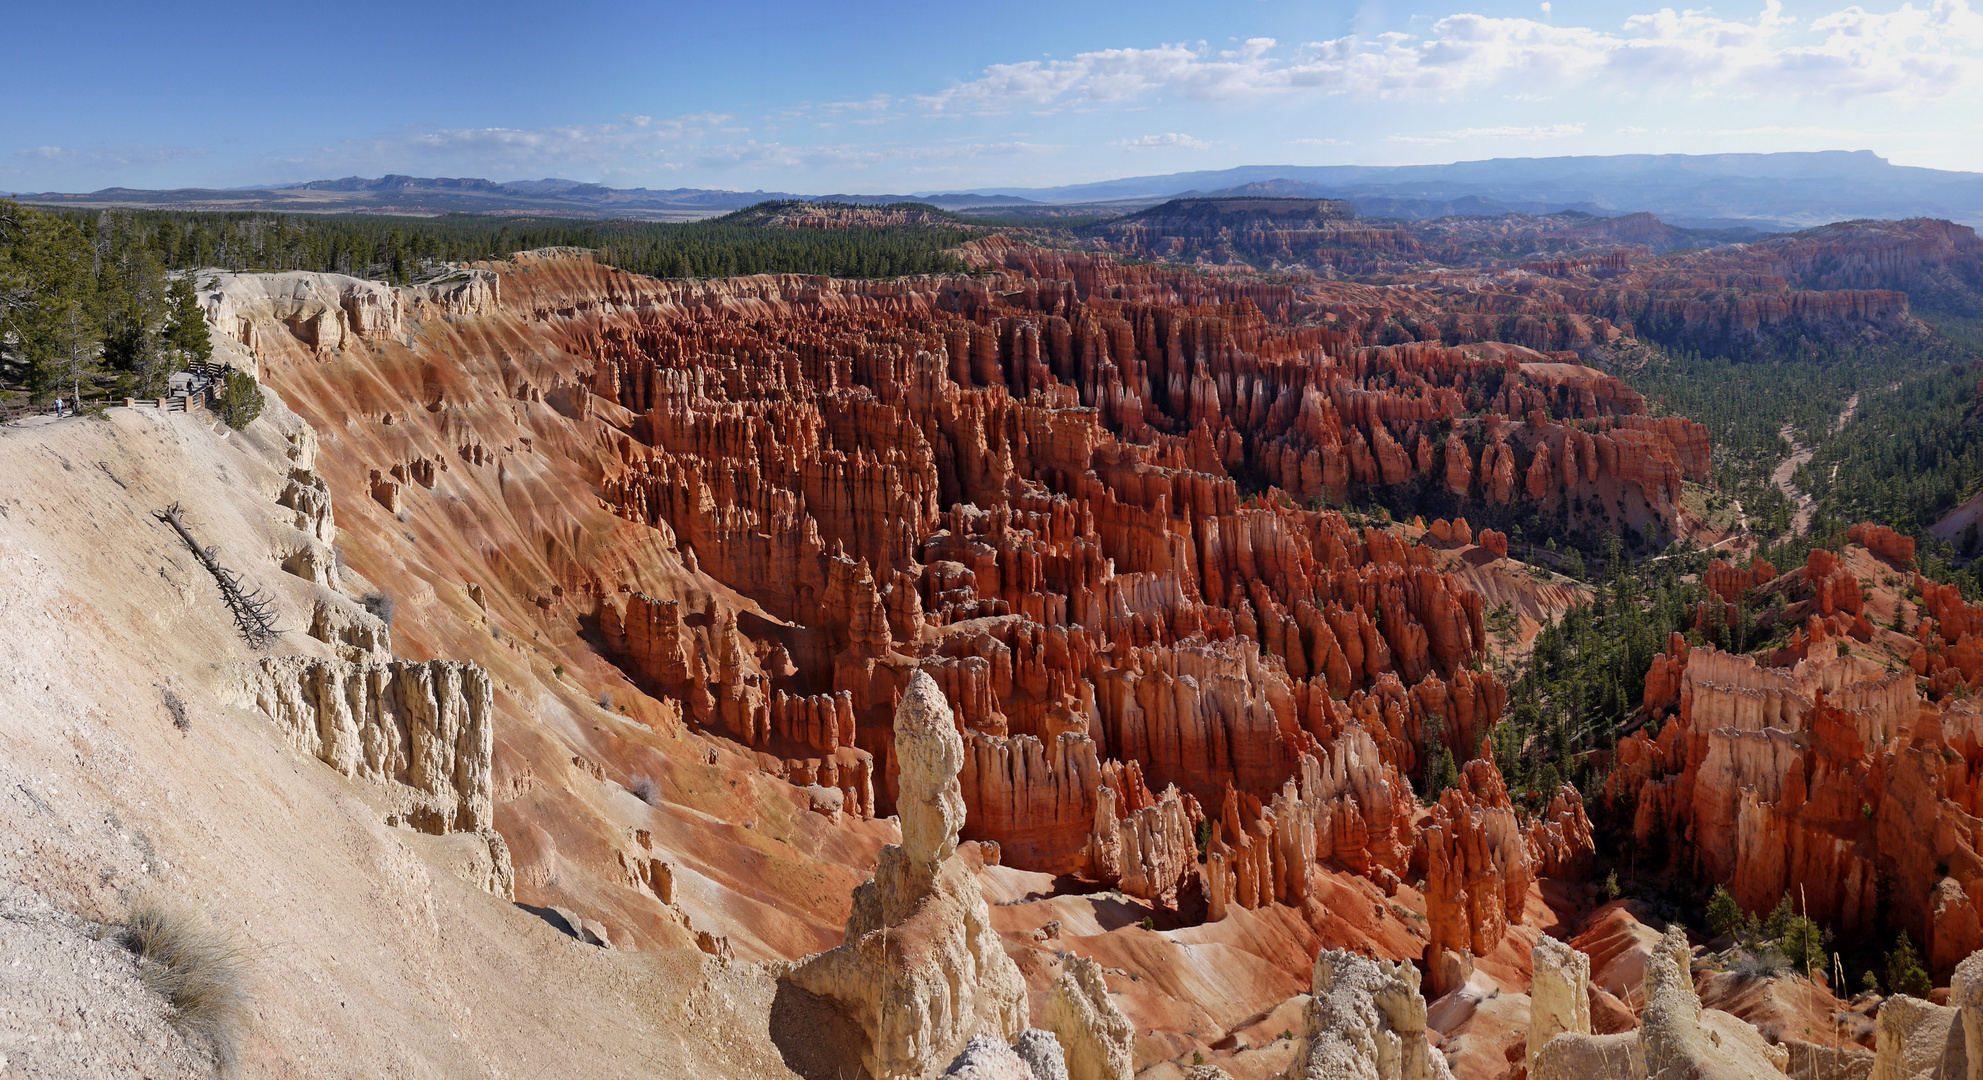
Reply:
x=357, y=879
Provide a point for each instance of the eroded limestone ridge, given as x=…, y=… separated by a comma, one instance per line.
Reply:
x=921, y=970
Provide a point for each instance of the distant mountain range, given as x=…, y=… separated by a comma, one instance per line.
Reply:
x=1693, y=190
x=1766, y=191
x=429, y=196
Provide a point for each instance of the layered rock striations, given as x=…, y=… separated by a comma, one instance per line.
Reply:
x=1082, y=502
x=425, y=729
x=774, y=501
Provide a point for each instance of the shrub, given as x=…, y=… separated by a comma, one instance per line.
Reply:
x=240, y=400
x=1763, y=963
x=195, y=967
x=380, y=605
x=645, y=789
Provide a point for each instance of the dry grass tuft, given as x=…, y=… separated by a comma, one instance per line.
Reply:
x=197, y=968
x=645, y=789
x=177, y=709
x=1761, y=963
x=380, y=605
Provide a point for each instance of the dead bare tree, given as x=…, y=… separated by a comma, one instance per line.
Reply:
x=254, y=614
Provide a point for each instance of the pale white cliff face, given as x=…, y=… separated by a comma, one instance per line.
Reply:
x=322, y=313
x=423, y=727
x=1966, y=994
x=931, y=754
x=1098, y=1040
x=1919, y=1040
x=1366, y=1022
x=1678, y=1038
x=1559, y=998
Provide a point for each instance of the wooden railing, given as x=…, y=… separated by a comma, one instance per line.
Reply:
x=198, y=400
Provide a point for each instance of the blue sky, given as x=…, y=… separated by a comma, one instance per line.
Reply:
x=897, y=97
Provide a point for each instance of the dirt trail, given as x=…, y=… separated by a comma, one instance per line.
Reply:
x=1799, y=454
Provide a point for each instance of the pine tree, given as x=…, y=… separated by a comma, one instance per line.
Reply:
x=187, y=332
x=1905, y=975
x=136, y=318
x=1724, y=913
x=49, y=337
x=1448, y=775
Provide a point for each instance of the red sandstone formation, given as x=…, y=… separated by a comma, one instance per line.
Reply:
x=1477, y=868
x=772, y=501
x=1617, y=276
x=1024, y=486
x=1882, y=541
x=1829, y=772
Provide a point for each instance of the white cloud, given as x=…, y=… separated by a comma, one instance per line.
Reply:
x=1911, y=53
x=1170, y=140
x=1318, y=142
x=632, y=143
x=1553, y=131
x=65, y=160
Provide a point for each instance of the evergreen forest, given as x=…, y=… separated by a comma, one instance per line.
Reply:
x=97, y=304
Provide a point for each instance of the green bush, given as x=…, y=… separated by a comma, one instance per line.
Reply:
x=240, y=400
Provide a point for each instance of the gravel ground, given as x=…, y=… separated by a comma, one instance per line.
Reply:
x=72, y=1005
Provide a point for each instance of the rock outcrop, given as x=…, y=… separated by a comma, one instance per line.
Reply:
x=1366, y=1020
x=1097, y=1040
x=423, y=729
x=1033, y=1056
x=1477, y=870
x=1827, y=773
x=1589, y=1057
x=1679, y=1039
x=1919, y=1040
x=922, y=971
x=781, y=497
x=1559, y=996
